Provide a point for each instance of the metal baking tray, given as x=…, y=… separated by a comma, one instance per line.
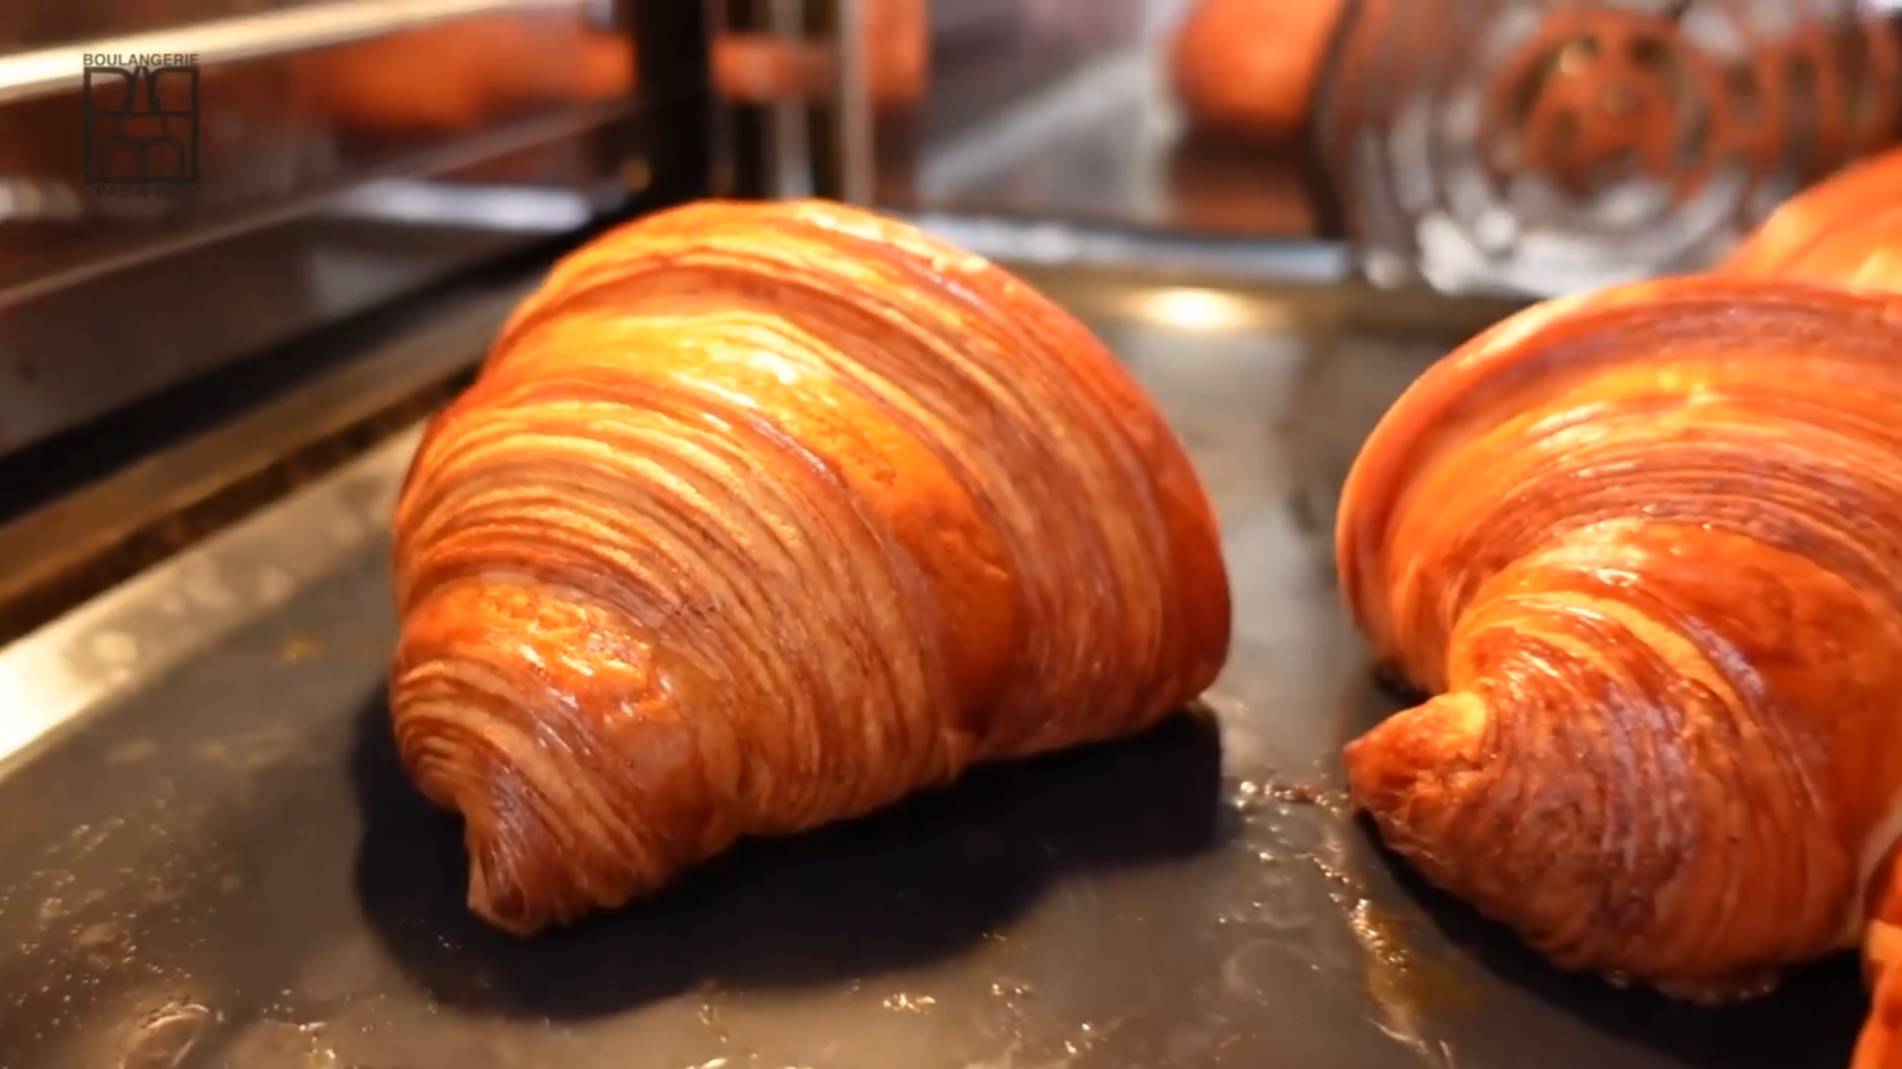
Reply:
x=210, y=857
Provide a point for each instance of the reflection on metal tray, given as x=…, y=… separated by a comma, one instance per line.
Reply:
x=299, y=415
x=318, y=160
x=212, y=857
x=1104, y=144
x=1065, y=245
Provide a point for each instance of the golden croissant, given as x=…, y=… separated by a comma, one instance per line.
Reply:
x=1644, y=548
x=1249, y=69
x=1845, y=231
x=760, y=517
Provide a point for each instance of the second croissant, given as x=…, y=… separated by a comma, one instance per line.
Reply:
x=1645, y=549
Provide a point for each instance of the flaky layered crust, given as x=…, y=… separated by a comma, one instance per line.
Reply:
x=1646, y=549
x=760, y=517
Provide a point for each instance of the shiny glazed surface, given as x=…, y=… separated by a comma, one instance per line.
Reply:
x=1642, y=548
x=1846, y=230
x=761, y=517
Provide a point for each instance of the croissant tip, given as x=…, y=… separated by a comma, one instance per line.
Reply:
x=505, y=917
x=496, y=902
x=1368, y=784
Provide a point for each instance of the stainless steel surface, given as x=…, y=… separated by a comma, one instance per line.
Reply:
x=1058, y=243
x=813, y=136
x=242, y=37
x=372, y=200
x=852, y=102
x=131, y=636
x=347, y=154
x=789, y=120
x=185, y=305
x=84, y=540
x=32, y=26
x=1103, y=143
x=215, y=860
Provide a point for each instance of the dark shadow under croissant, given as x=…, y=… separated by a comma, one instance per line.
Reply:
x=760, y=517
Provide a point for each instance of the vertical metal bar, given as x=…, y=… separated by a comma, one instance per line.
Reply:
x=789, y=117
x=724, y=126
x=852, y=101
x=673, y=41
x=1323, y=163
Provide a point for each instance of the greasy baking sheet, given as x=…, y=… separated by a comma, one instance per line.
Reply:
x=210, y=856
